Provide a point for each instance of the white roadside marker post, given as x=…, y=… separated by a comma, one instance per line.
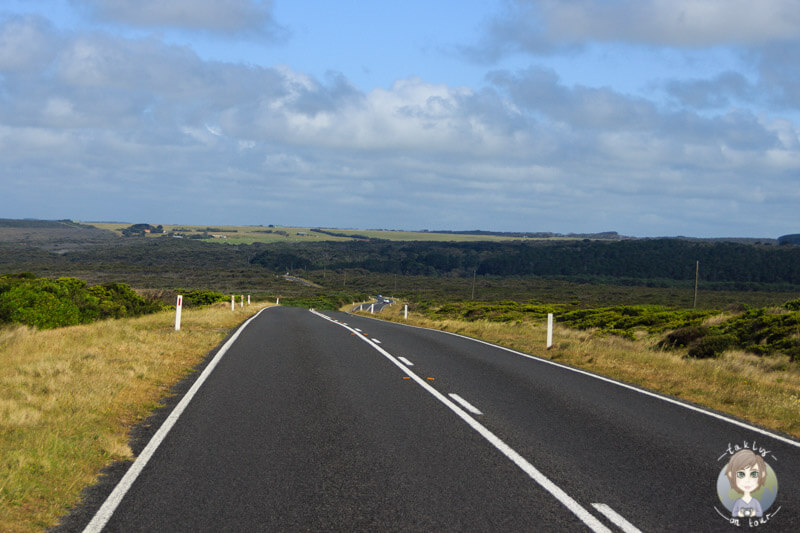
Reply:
x=248, y=299
x=372, y=309
x=405, y=311
x=233, y=302
x=278, y=300
x=241, y=300
x=549, y=330
x=178, y=308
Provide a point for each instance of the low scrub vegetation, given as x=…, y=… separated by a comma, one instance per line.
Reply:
x=201, y=298
x=51, y=303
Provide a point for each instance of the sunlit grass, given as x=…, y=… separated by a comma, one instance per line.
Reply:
x=251, y=234
x=764, y=390
x=69, y=396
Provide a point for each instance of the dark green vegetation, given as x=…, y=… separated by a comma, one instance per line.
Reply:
x=789, y=239
x=50, y=303
x=53, y=236
x=653, y=261
x=140, y=230
x=200, y=298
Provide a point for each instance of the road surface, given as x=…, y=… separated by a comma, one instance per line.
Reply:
x=376, y=306
x=327, y=421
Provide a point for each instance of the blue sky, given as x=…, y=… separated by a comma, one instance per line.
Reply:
x=646, y=117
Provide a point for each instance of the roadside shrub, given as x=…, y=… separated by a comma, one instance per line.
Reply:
x=25, y=304
x=793, y=352
x=682, y=337
x=710, y=346
x=51, y=303
x=628, y=318
x=117, y=300
x=793, y=305
x=200, y=298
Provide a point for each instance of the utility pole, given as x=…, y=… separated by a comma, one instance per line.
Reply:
x=474, y=274
x=696, y=278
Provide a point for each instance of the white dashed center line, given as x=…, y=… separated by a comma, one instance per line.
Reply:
x=617, y=518
x=570, y=503
x=465, y=404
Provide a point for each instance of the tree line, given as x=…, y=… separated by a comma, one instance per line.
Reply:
x=672, y=259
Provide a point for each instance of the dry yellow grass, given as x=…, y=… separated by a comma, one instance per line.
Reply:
x=762, y=390
x=69, y=396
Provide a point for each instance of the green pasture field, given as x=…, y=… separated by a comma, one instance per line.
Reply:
x=252, y=234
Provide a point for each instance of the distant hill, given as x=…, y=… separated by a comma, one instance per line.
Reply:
x=63, y=247
x=58, y=236
x=33, y=223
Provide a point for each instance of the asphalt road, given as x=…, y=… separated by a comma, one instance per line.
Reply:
x=306, y=424
x=375, y=307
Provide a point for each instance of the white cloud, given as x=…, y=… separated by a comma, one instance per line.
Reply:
x=545, y=26
x=25, y=43
x=115, y=115
x=672, y=22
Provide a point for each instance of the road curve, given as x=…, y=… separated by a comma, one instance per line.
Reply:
x=334, y=422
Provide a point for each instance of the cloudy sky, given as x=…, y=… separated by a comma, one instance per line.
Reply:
x=646, y=117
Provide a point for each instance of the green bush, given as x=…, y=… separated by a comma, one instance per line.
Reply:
x=25, y=304
x=764, y=331
x=793, y=305
x=626, y=319
x=710, y=346
x=682, y=337
x=117, y=300
x=51, y=303
x=199, y=298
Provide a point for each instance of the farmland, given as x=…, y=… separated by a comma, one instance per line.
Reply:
x=274, y=234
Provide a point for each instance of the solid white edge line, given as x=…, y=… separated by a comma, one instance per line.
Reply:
x=565, y=499
x=609, y=380
x=376, y=341
x=465, y=404
x=406, y=361
x=105, y=512
x=617, y=518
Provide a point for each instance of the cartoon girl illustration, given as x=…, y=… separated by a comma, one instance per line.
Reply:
x=746, y=472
